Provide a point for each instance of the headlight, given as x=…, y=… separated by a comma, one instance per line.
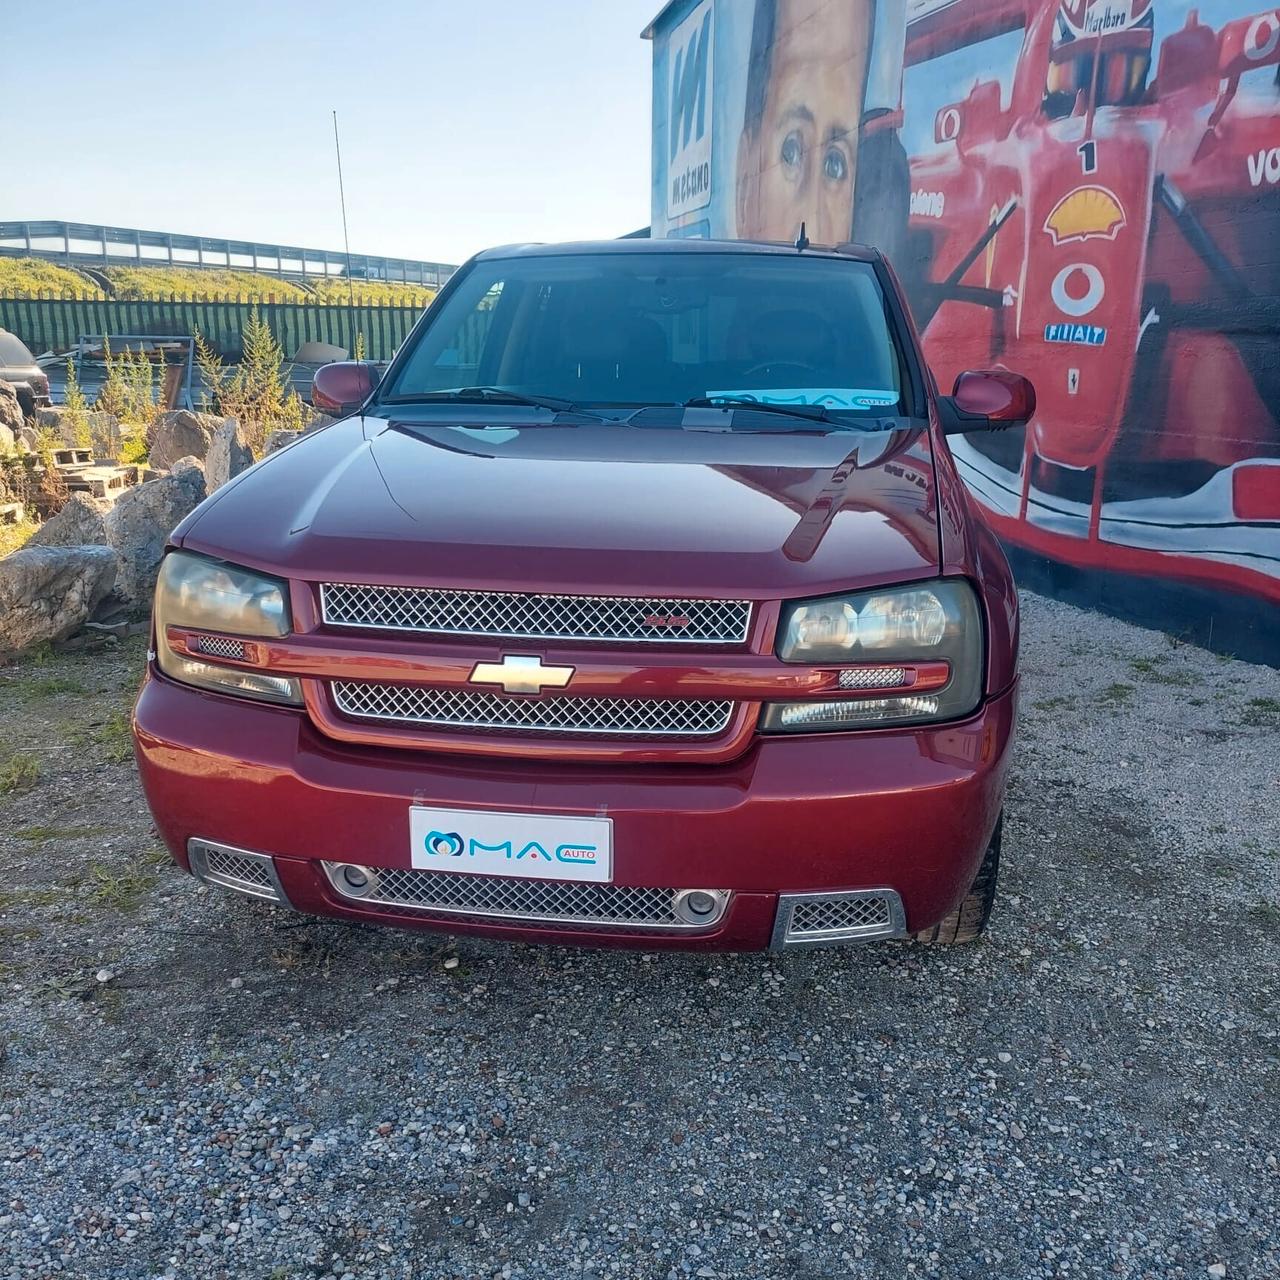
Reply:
x=213, y=604
x=885, y=640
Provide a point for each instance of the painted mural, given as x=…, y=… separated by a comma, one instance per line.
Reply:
x=1086, y=191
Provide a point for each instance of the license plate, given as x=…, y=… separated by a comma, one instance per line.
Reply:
x=532, y=845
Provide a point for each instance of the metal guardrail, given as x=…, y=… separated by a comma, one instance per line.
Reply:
x=87, y=244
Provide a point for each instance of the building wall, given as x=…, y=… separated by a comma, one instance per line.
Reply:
x=1086, y=191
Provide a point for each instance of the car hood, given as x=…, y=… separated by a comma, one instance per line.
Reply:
x=584, y=508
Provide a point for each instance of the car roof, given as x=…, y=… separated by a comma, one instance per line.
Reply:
x=580, y=248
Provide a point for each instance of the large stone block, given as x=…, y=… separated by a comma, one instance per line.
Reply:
x=47, y=592
x=181, y=434
x=139, y=524
x=229, y=454
x=80, y=523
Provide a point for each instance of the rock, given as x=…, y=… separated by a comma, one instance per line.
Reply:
x=317, y=421
x=139, y=524
x=10, y=409
x=80, y=523
x=8, y=439
x=47, y=592
x=229, y=454
x=278, y=440
x=50, y=416
x=28, y=440
x=180, y=434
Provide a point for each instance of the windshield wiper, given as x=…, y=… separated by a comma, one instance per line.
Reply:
x=811, y=412
x=495, y=395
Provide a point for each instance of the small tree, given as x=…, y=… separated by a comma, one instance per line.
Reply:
x=255, y=392
x=75, y=410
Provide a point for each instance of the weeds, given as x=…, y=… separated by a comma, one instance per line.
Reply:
x=1261, y=713
x=115, y=736
x=1152, y=670
x=50, y=686
x=13, y=536
x=41, y=835
x=122, y=890
x=1116, y=695
x=133, y=391
x=20, y=772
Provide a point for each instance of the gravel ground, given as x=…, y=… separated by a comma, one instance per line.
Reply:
x=195, y=1085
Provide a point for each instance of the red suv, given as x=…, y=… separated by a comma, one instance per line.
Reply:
x=638, y=602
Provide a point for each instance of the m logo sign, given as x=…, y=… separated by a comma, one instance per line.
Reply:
x=690, y=60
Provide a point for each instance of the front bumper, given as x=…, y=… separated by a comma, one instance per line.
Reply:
x=907, y=810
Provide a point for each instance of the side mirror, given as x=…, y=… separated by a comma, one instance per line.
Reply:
x=341, y=388
x=987, y=400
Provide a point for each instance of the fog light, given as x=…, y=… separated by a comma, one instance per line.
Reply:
x=357, y=882
x=698, y=906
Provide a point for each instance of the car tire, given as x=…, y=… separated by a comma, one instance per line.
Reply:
x=969, y=920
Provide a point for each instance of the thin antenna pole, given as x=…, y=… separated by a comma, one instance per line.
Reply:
x=346, y=241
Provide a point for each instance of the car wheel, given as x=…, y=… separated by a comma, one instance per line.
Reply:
x=969, y=920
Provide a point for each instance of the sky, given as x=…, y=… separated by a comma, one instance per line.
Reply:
x=463, y=125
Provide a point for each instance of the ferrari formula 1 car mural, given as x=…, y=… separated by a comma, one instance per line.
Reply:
x=1104, y=216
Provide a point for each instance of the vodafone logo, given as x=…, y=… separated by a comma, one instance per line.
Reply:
x=1263, y=37
x=1078, y=289
x=1264, y=166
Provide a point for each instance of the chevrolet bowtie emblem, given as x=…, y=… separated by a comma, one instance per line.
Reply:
x=520, y=674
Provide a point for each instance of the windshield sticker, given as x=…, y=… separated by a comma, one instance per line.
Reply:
x=827, y=397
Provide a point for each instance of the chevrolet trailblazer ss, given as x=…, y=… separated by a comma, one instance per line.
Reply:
x=637, y=602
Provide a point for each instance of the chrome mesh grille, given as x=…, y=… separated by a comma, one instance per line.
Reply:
x=238, y=869
x=218, y=647
x=235, y=866
x=549, y=902
x=849, y=915
x=472, y=709
x=825, y=915
x=873, y=678
x=520, y=616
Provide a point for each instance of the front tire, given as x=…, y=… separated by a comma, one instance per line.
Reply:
x=969, y=920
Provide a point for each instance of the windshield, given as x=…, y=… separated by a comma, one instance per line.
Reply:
x=633, y=329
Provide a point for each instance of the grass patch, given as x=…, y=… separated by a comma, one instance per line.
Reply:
x=1053, y=704
x=123, y=890
x=376, y=292
x=39, y=835
x=1116, y=695
x=1151, y=669
x=1261, y=712
x=26, y=276
x=217, y=284
x=20, y=771
x=50, y=686
x=13, y=536
x=115, y=737
x=1266, y=915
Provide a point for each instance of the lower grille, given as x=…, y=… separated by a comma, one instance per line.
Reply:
x=253, y=874
x=587, y=717
x=821, y=919
x=546, y=902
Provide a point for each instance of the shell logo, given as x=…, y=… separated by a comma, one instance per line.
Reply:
x=1085, y=213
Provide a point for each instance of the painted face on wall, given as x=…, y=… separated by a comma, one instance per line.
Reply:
x=798, y=154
